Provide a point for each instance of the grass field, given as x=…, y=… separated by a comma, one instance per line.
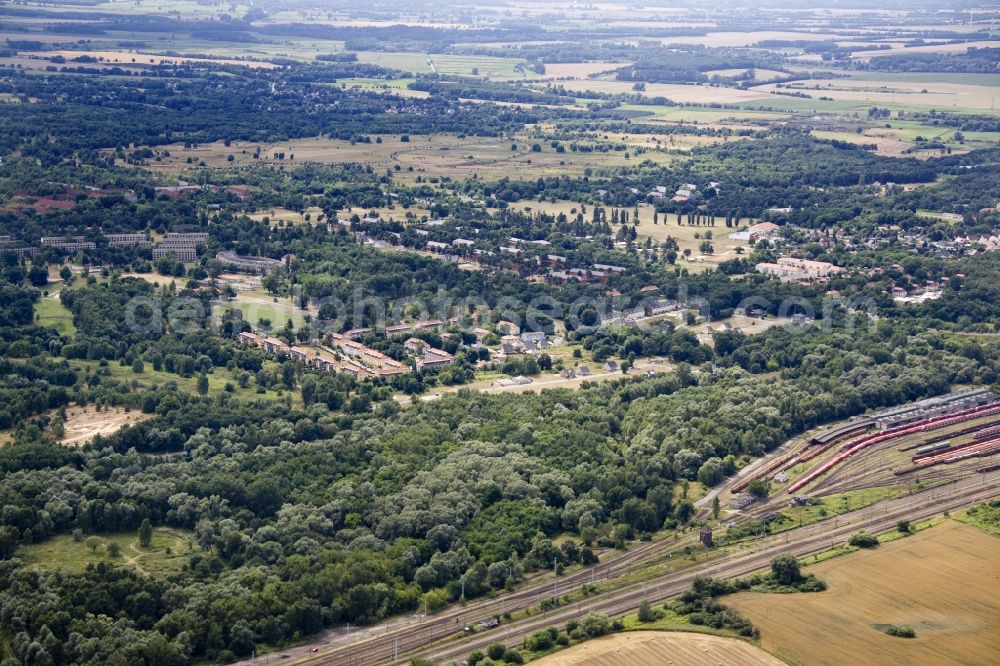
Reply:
x=49, y=312
x=984, y=516
x=168, y=552
x=276, y=215
x=656, y=648
x=257, y=304
x=424, y=156
x=941, y=581
x=217, y=379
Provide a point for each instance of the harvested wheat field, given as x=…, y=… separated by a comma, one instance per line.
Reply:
x=641, y=648
x=82, y=423
x=943, y=582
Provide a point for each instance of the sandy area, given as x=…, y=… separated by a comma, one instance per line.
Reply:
x=82, y=423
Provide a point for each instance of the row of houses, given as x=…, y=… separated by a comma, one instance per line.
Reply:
x=248, y=264
x=757, y=232
x=320, y=358
x=373, y=362
x=597, y=273
x=791, y=269
x=184, y=246
x=427, y=356
x=68, y=243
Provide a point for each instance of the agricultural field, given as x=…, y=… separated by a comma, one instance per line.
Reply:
x=168, y=552
x=907, y=138
x=578, y=70
x=926, y=91
x=900, y=49
x=759, y=75
x=649, y=648
x=941, y=582
x=136, y=58
x=676, y=92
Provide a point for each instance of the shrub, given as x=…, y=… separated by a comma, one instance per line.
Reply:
x=646, y=612
x=595, y=624
x=900, y=631
x=864, y=540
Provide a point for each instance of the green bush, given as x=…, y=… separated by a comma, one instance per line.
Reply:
x=900, y=631
x=864, y=540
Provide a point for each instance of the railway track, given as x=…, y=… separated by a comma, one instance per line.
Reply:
x=428, y=639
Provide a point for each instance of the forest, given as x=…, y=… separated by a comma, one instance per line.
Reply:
x=306, y=518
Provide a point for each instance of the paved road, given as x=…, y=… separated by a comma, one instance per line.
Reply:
x=384, y=643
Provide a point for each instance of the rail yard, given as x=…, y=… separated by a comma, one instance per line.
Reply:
x=441, y=637
x=939, y=454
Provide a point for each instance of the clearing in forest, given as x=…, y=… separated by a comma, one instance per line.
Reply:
x=82, y=423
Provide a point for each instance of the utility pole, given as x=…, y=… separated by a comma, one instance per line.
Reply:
x=555, y=580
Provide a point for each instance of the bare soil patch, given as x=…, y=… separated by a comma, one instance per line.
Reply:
x=82, y=423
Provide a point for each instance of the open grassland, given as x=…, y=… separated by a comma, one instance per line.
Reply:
x=649, y=648
x=385, y=86
x=942, y=582
x=390, y=212
x=984, y=516
x=83, y=423
x=690, y=238
x=218, y=379
x=289, y=217
x=257, y=304
x=687, y=237
x=887, y=144
x=168, y=552
x=427, y=157
x=50, y=313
